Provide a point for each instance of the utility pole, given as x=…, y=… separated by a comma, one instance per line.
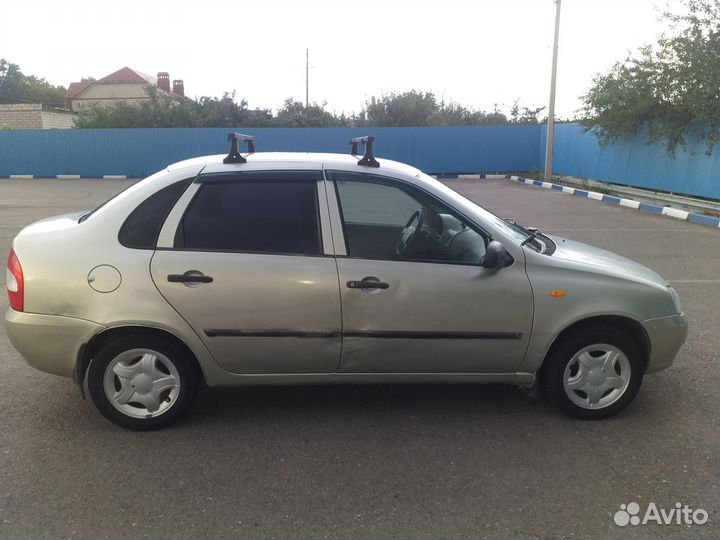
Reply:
x=307, y=78
x=551, y=107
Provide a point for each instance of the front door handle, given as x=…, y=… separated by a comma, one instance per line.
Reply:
x=192, y=276
x=367, y=283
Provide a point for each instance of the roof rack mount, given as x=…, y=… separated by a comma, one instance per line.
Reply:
x=234, y=156
x=368, y=160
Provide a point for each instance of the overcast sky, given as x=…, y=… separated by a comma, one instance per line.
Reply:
x=477, y=53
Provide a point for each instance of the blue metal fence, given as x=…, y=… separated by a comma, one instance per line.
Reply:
x=636, y=163
x=139, y=152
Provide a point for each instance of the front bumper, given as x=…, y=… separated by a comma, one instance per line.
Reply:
x=667, y=335
x=49, y=343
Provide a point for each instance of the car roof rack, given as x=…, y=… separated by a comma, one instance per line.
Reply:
x=234, y=156
x=368, y=160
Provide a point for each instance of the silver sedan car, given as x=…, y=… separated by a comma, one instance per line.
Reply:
x=293, y=268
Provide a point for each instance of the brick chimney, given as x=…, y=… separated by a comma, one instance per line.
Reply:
x=163, y=81
x=178, y=88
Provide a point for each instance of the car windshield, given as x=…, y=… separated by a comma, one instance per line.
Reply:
x=511, y=229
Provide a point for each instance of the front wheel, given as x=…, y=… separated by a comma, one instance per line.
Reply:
x=594, y=373
x=142, y=382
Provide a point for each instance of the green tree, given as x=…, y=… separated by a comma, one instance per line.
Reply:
x=415, y=108
x=669, y=89
x=161, y=110
x=226, y=112
x=15, y=86
x=522, y=114
x=295, y=114
x=157, y=111
x=454, y=114
x=411, y=108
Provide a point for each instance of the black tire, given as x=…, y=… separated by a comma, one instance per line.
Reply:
x=553, y=370
x=186, y=371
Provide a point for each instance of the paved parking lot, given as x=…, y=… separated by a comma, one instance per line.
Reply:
x=376, y=462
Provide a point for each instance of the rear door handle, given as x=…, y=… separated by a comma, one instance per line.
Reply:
x=367, y=283
x=189, y=277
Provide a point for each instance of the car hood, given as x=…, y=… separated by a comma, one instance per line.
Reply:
x=608, y=262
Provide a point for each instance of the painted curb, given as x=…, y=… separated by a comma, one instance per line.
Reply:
x=70, y=177
x=676, y=213
x=474, y=176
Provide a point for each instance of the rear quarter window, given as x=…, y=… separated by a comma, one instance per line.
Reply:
x=142, y=227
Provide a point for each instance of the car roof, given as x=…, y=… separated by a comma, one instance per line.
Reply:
x=324, y=160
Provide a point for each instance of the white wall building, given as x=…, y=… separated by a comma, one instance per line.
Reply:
x=34, y=116
x=126, y=84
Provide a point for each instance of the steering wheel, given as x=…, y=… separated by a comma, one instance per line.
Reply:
x=410, y=233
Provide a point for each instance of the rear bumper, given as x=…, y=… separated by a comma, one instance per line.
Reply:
x=667, y=335
x=49, y=343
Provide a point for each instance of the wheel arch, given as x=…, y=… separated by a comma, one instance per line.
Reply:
x=631, y=327
x=89, y=349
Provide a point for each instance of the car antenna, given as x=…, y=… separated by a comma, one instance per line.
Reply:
x=234, y=156
x=368, y=160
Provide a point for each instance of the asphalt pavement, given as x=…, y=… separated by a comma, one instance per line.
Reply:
x=403, y=461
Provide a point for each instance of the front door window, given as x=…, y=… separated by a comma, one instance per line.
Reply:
x=393, y=222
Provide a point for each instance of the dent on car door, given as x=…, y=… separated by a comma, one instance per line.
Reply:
x=248, y=270
x=415, y=297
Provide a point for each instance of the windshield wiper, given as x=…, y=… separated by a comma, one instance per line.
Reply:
x=533, y=232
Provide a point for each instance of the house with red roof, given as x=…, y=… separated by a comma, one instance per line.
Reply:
x=125, y=84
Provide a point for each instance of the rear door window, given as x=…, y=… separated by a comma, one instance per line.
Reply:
x=256, y=213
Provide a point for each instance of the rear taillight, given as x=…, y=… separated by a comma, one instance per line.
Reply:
x=15, y=282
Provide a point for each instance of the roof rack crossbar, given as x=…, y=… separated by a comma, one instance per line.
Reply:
x=234, y=156
x=368, y=160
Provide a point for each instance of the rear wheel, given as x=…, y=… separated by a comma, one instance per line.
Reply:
x=593, y=373
x=143, y=382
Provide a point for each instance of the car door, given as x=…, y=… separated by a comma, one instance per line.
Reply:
x=242, y=258
x=429, y=309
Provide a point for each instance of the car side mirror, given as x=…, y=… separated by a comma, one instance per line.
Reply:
x=495, y=256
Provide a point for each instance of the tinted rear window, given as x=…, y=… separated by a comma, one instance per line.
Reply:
x=259, y=216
